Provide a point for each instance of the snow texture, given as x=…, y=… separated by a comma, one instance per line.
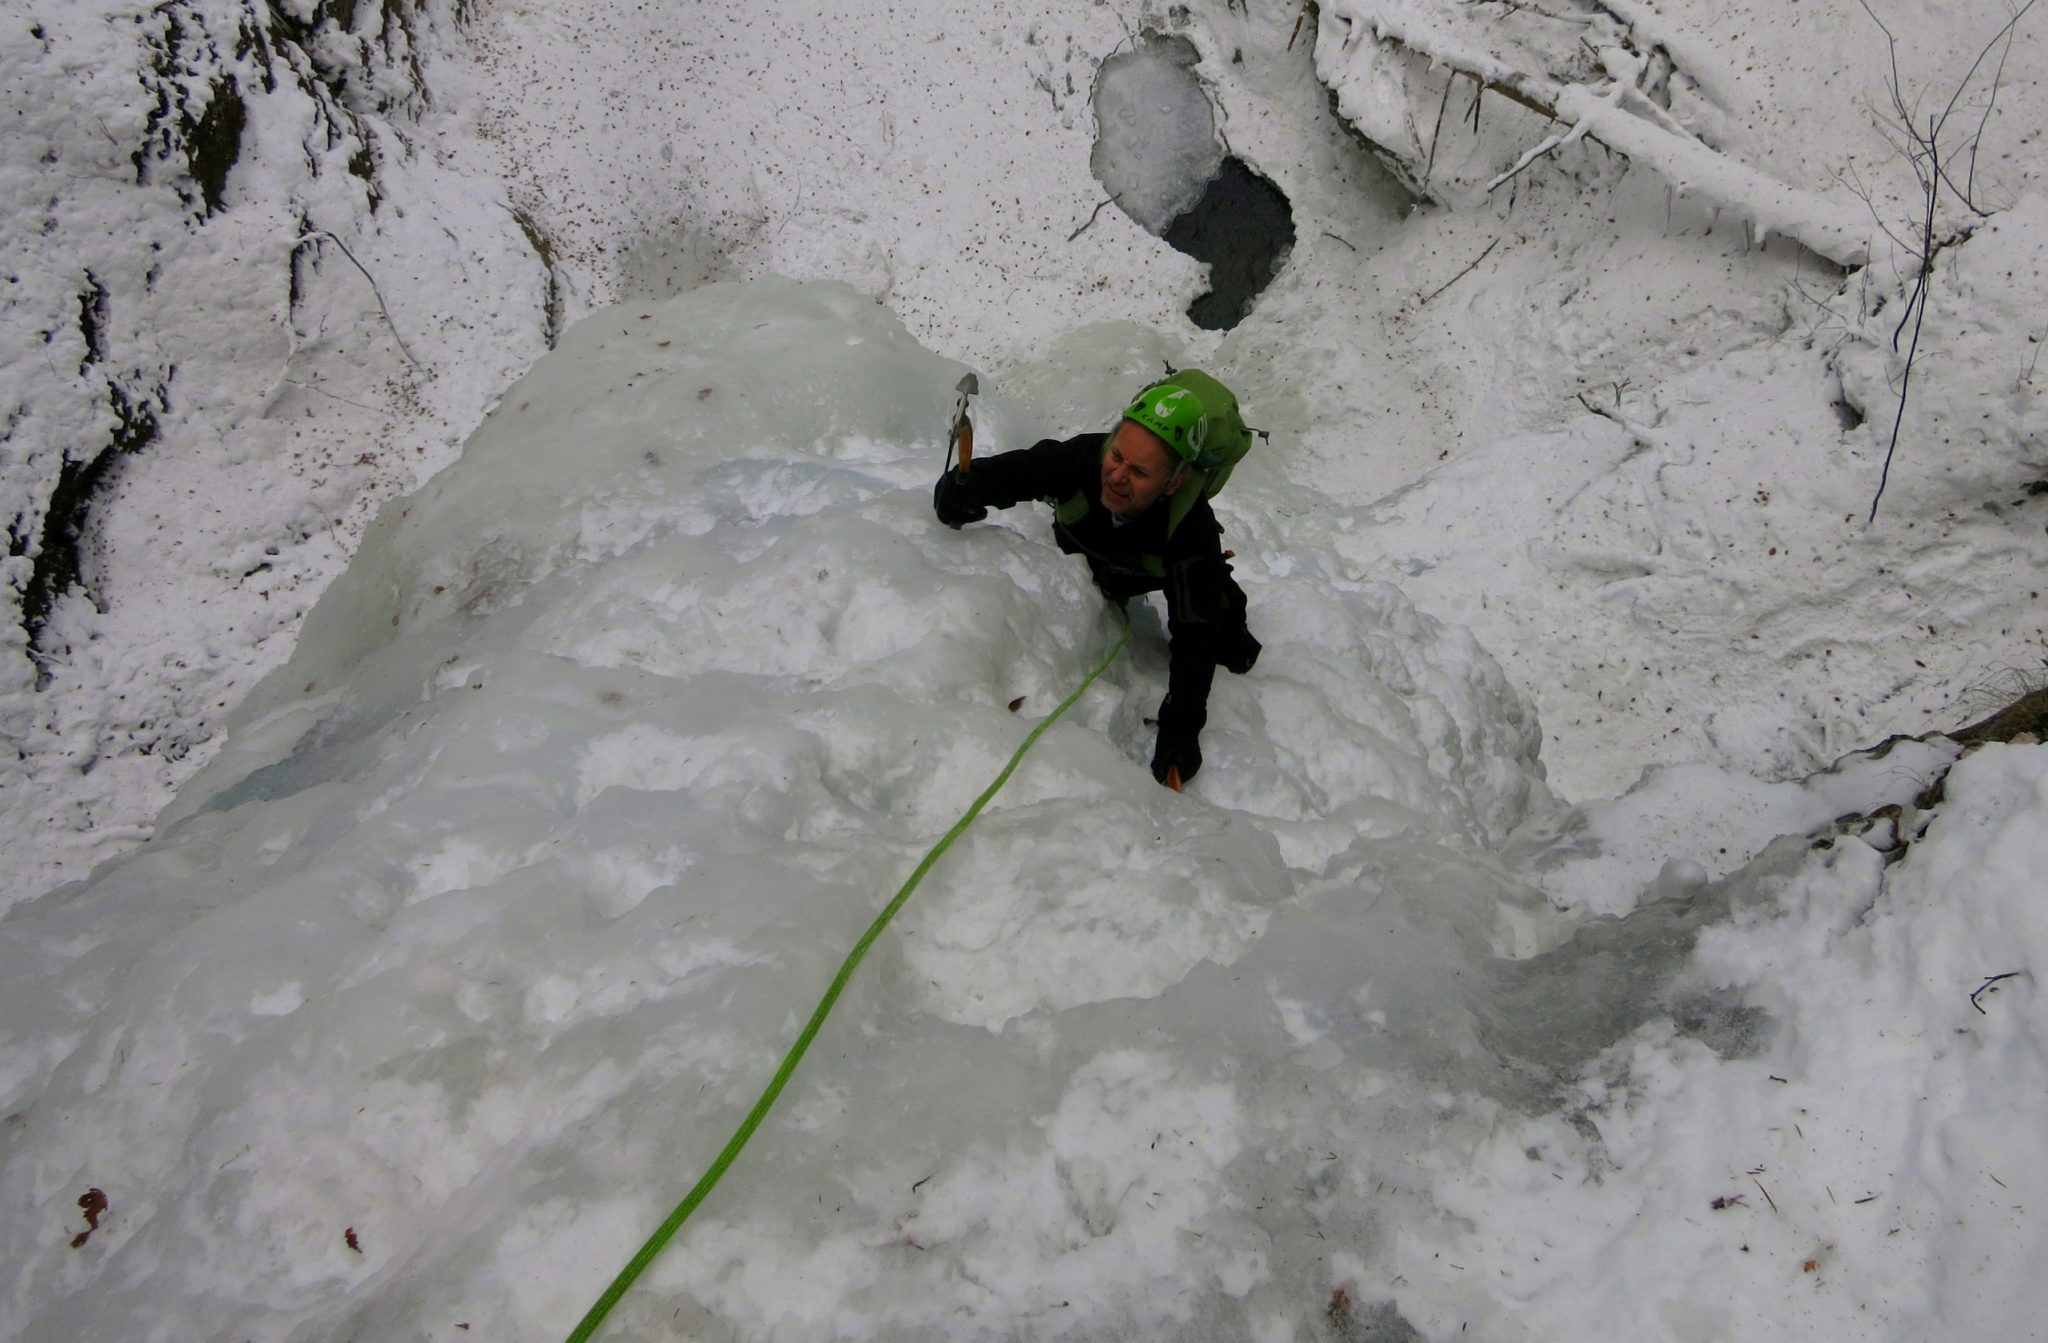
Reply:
x=205, y=396
x=412, y=986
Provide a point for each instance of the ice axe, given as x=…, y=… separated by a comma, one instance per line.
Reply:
x=960, y=438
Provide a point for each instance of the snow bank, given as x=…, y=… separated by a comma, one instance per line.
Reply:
x=1866, y=1172
x=205, y=397
x=1634, y=449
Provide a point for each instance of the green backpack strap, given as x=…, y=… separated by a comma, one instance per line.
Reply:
x=1196, y=487
x=1224, y=441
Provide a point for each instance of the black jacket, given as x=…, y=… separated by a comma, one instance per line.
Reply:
x=1127, y=558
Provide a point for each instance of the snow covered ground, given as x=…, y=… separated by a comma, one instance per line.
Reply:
x=495, y=906
x=198, y=340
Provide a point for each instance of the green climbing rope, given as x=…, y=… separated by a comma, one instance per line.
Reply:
x=639, y=1262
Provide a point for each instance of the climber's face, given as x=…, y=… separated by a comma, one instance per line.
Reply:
x=1137, y=468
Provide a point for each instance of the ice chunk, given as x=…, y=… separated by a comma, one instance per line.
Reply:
x=1155, y=137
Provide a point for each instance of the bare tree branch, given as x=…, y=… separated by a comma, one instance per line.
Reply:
x=1099, y=208
x=1437, y=133
x=1925, y=154
x=1917, y=307
x=1997, y=79
x=323, y=233
x=1463, y=273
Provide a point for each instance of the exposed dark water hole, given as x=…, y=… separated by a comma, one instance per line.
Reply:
x=1243, y=229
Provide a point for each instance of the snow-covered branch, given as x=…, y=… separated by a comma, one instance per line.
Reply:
x=1834, y=230
x=1602, y=86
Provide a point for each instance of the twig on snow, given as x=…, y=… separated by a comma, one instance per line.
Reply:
x=1113, y=200
x=1638, y=435
x=1438, y=130
x=1988, y=982
x=312, y=387
x=374, y=289
x=1463, y=273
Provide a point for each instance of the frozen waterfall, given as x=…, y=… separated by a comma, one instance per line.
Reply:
x=507, y=893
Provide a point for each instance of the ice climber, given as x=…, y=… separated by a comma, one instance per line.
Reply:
x=1134, y=503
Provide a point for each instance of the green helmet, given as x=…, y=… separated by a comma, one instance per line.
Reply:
x=1176, y=413
x=1198, y=420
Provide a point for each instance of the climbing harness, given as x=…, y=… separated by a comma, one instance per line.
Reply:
x=639, y=1262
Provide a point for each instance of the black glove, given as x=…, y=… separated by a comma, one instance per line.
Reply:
x=1236, y=649
x=953, y=500
x=1179, y=746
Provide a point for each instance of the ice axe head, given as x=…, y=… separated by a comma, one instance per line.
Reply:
x=963, y=428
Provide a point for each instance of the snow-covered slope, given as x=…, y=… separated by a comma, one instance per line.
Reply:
x=1621, y=418
x=1662, y=422
x=207, y=393
x=497, y=910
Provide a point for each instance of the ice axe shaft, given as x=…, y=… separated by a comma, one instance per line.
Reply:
x=960, y=437
x=963, y=442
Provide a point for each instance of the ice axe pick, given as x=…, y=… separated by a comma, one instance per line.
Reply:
x=960, y=438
